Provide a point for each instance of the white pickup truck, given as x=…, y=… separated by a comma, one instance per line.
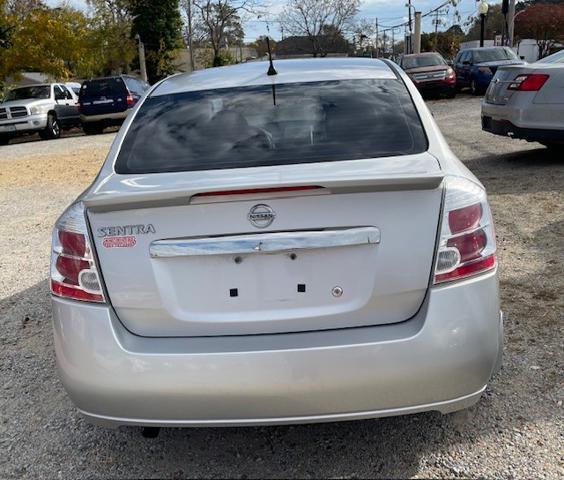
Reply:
x=45, y=108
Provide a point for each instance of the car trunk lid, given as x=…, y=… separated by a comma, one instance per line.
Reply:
x=498, y=93
x=268, y=249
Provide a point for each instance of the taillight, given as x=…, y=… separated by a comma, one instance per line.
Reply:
x=467, y=243
x=531, y=82
x=450, y=76
x=73, y=272
x=130, y=100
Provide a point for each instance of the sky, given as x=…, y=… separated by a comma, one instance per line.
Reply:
x=388, y=13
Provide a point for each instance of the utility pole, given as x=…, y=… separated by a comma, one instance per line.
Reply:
x=393, y=45
x=142, y=64
x=436, y=39
x=417, y=43
x=511, y=27
x=190, y=49
x=376, y=20
x=410, y=45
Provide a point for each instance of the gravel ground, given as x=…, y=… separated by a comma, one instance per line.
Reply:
x=514, y=431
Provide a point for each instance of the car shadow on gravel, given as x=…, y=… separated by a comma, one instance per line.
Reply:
x=507, y=173
x=47, y=435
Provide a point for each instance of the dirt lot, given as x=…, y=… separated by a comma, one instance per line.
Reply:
x=514, y=431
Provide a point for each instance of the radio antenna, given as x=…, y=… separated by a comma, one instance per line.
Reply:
x=271, y=69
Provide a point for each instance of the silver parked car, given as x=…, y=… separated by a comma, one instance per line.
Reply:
x=527, y=102
x=289, y=248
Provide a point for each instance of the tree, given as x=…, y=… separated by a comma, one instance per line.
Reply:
x=219, y=23
x=110, y=38
x=544, y=23
x=159, y=25
x=495, y=24
x=523, y=4
x=6, y=26
x=260, y=46
x=447, y=43
x=52, y=41
x=315, y=19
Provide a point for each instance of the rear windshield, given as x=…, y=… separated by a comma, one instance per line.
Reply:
x=266, y=125
x=494, y=54
x=557, y=57
x=422, y=61
x=104, y=87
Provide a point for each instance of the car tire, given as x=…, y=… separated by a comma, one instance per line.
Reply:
x=93, y=128
x=5, y=139
x=474, y=88
x=554, y=147
x=52, y=130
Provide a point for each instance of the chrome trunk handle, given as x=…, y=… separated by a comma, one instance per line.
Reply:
x=264, y=242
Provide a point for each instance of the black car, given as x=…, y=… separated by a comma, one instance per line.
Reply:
x=107, y=101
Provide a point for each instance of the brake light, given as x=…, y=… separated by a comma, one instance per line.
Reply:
x=531, y=82
x=130, y=100
x=73, y=271
x=467, y=244
x=252, y=191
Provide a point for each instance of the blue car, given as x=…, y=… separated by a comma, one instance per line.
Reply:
x=475, y=67
x=107, y=101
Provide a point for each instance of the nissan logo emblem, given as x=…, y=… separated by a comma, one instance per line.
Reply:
x=261, y=215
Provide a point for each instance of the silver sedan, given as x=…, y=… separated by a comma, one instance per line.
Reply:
x=265, y=248
x=527, y=102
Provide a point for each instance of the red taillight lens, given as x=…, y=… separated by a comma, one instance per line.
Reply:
x=465, y=218
x=70, y=268
x=130, y=100
x=467, y=243
x=466, y=270
x=73, y=243
x=531, y=82
x=73, y=272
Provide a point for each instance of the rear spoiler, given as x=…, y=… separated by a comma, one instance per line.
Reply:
x=123, y=192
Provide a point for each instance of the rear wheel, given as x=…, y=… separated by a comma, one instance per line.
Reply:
x=93, y=128
x=4, y=139
x=554, y=147
x=474, y=88
x=53, y=128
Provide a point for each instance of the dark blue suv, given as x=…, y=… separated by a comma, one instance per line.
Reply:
x=107, y=101
x=475, y=67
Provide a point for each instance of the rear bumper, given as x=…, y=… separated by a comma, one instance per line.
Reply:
x=30, y=123
x=506, y=129
x=436, y=87
x=521, y=118
x=106, y=117
x=439, y=360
